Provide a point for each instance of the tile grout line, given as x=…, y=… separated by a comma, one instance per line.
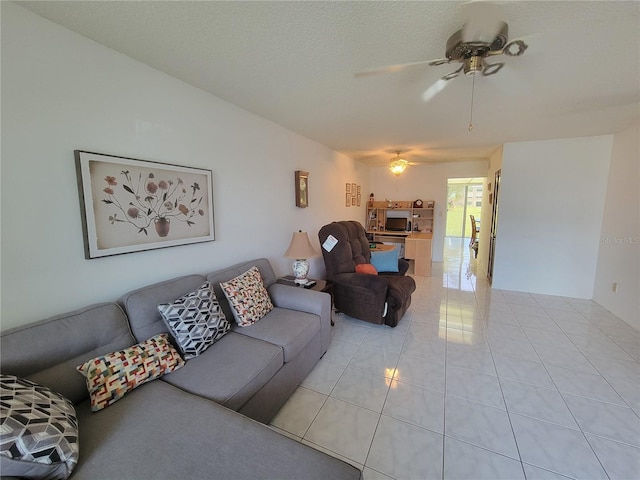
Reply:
x=506, y=407
x=574, y=418
x=366, y=458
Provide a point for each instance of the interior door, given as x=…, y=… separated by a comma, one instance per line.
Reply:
x=494, y=225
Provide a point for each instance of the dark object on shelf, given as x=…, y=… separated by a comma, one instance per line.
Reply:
x=396, y=224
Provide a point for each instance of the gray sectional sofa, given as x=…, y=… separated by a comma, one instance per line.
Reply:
x=204, y=419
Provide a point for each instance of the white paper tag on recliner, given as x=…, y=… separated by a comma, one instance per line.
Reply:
x=329, y=243
x=386, y=305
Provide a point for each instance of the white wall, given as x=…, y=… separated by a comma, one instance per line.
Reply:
x=551, y=204
x=62, y=92
x=428, y=182
x=619, y=256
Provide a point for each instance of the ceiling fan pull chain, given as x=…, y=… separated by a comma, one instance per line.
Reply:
x=473, y=87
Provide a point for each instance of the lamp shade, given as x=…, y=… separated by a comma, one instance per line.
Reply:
x=300, y=247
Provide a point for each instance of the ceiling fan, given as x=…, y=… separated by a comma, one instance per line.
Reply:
x=472, y=53
x=482, y=36
x=398, y=165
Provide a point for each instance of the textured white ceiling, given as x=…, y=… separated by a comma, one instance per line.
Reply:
x=294, y=63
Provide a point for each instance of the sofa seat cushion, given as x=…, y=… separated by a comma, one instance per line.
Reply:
x=161, y=432
x=290, y=329
x=231, y=371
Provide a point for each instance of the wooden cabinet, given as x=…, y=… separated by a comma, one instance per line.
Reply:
x=417, y=242
x=421, y=218
x=417, y=247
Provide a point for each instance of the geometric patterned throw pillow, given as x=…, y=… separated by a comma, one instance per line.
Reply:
x=39, y=430
x=111, y=376
x=247, y=296
x=195, y=320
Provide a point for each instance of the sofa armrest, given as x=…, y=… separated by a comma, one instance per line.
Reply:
x=304, y=300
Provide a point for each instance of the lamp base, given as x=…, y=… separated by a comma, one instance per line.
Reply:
x=300, y=271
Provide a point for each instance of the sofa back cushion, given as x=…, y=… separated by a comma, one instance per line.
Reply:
x=47, y=352
x=141, y=304
x=352, y=247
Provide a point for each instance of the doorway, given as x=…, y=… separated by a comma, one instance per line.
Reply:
x=494, y=226
x=464, y=198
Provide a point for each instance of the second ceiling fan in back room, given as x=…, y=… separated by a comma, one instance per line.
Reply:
x=482, y=36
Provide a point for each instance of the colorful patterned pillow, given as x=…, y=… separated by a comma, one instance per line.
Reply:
x=39, y=433
x=247, y=296
x=111, y=376
x=195, y=320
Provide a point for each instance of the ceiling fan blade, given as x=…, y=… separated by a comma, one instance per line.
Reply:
x=390, y=68
x=482, y=21
x=452, y=75
x=515, y=48
x=434, y=89
x=440, y=61
x=491, y=68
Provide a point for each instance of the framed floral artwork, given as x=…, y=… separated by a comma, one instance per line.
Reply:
x=130, y=205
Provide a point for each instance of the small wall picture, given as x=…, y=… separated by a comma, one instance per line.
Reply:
x=353, y=195
x=302, y=189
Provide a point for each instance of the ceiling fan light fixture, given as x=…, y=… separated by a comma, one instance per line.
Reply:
x=398, y=165
x=473, y=65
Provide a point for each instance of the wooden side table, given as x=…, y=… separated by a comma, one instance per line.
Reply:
x=325, y=286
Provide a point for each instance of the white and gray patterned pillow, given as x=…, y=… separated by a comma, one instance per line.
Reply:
x=39, y=430
x=195, y=320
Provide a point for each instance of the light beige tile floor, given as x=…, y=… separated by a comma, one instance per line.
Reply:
x=477, y=383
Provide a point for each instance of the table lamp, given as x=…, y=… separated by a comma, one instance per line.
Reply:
x=300, y=249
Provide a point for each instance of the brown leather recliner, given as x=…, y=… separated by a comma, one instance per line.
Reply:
x=361, y=295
